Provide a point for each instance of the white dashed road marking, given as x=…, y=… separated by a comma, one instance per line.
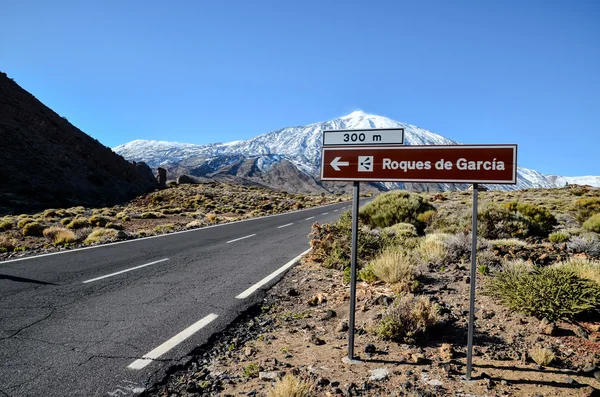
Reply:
x=241, y=238
x=124, y=271
x=271, y=276
x=309, y=218
x=171, y=343
x=286, y=225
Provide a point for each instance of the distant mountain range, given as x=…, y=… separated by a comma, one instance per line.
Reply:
x=290, y=158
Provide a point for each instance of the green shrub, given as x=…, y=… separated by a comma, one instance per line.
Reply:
x=78, y=223
x=586, y=207
x=21, y=224
x=585, y=268
x=515, y=220
x=114, y=225
x=407, y=318
x=164, y=228
x=402, y=230
x=367, y=274
x=593, y=224
x=99, y=236
x=251, y=370
x=151, y=215
x=65, y=221
x=551, y=292
x=5, y=224
x=50, y=213
x=559, y=237
x=7, y=244
x=396, y=207
x=33, y=229
x=331, y=243
x=98, y=220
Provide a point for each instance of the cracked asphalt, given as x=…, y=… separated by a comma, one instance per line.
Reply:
x=62, y=337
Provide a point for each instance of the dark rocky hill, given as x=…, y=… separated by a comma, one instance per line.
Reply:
x=46, y=162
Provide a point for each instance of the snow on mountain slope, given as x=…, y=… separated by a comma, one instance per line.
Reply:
x=560, y=181
x=300, y=145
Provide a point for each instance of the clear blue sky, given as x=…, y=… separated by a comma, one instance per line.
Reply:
x=525, y=72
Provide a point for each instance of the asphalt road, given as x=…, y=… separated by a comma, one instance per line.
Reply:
x=110, y=320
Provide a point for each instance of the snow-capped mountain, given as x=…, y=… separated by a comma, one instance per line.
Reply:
x=300, y=146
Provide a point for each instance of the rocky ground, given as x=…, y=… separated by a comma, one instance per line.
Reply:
x=302, y=329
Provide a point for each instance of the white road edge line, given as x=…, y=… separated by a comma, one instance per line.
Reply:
x=309, y=218
x=286, y=225
x=124, y=271
x=160, y=235
x=271, y=276
x=241, y=238
x=171, y=343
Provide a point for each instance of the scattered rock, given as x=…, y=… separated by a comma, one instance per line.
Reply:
x=328, y=315
x=315, y=340
x=292, y=292
x=342, y=326
x=546, y=327
x=317, y=300
x=589, y=369
x=487, y=314
x=570, y=381
x=248, y=351
x=417, y=358
x=597, y=375
x=580, y=332
x=370, y=348
x=185, y=179
x=446, y=352
x=269, y=375
x=379, y=374
x=589, y=391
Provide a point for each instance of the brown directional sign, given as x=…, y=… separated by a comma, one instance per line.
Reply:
x=443, y=164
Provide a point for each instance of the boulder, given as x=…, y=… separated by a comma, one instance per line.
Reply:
x=161, y=177
x=185, y=179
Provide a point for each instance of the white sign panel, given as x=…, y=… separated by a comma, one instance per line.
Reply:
x=387, y=136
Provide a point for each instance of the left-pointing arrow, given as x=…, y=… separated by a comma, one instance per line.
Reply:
x=336, y=163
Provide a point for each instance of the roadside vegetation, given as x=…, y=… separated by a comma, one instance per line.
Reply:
x=538, y=252
x=178, y=207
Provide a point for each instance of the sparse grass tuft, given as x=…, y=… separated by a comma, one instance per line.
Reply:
x=291, y=386
x=395, y=264
x=587, y=245
x=34, y=229
x=251, y=370
x=99, y=236
x=59, y=235
x=7, y=244
x=24, y=221
x=166, y=228
x=559, y=237
x=194, y=225
x=407, y=318
x=151, y=215
x=78, y=223
x=592, y=224
x=6, y=224
x=542, y=356
x=434, y=249
x=402, y=230
x=584, y=268
x=98, y=220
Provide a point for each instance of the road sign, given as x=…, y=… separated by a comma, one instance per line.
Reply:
x=427, y=164
x=381, y=136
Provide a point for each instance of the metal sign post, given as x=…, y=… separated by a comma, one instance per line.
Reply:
x=379, y=156
x=355, y=203
x=473, y=277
